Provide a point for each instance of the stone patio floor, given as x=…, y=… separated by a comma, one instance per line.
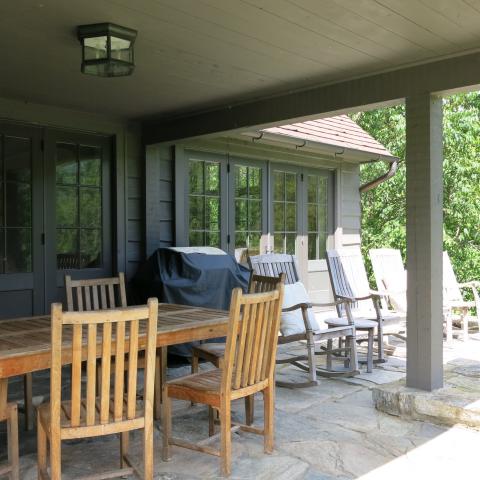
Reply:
x=331, y=431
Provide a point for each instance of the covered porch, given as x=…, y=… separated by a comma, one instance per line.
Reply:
x=209, y=76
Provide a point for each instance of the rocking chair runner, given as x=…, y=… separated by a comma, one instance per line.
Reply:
x=274, y=264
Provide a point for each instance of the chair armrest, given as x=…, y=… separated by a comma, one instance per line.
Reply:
x=296, y=307
x=304, y=307
x=472, y=284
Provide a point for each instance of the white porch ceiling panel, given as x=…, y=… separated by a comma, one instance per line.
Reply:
x=193, y=55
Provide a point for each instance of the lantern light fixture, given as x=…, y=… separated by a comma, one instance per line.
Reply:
x=107, y=49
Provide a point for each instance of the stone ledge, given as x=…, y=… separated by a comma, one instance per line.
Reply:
x=458, y=402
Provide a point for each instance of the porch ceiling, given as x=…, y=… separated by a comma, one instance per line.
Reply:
x=197, y=54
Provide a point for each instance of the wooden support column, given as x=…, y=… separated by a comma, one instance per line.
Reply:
x=424, y=163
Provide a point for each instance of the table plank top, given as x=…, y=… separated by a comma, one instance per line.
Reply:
x=25, y=343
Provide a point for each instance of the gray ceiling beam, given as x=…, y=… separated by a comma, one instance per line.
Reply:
x=443, y=76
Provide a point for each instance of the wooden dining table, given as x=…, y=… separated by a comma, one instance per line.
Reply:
x=25, y=343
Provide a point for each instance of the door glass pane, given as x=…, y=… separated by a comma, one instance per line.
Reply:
x=248, y=208
x=18, y=162
x=67, y=166
x=15, y=205
x=90, y=207
x=19, y=204
x=67, y=211
x=78, y=206
x=90, y=248
x=317, y=209
x=67, y=248
x=278, y=186
x=204, y=203
x=90, y=166
x=19, y=250
x=285, y=213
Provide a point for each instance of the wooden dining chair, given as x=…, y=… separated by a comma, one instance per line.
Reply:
x=102, y=293
x=9, y=413
x=248, y=368
x=91, y=413
x=214, y=352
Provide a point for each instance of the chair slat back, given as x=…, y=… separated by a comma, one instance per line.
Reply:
x=95, y=293
x=107, y=334
x=451, y=289
x=348, y=275
x=261, y=283
x=252, y=338
x=273, y=264
x=388, y=270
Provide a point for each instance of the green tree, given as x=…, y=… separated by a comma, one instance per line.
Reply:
x=383, y=209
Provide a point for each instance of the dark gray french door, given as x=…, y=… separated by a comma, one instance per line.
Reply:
x=54, y=214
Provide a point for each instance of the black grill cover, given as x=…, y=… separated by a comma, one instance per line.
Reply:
x=189, y=279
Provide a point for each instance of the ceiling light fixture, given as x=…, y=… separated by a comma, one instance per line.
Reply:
x=107, y=49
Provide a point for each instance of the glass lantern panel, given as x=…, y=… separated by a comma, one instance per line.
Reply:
x=95, y=48
x=121, y=49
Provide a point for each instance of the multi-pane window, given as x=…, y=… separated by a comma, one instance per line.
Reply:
x=204, y=203
x=284, y=211
x=248, y=207
x=78, y=206
x=15, y=204
x=317, y=214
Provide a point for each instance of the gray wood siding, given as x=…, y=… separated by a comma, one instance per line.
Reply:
x=135, y=248
x=159, y=197
x=350, y=217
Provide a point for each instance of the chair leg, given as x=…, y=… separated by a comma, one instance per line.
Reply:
x=157, y=390
x=211, y=421
x=465, y=325
x=268, y=406
x=226, y=437
x=12, y=439
x=370, y=351
x=329, y=353
x=124, y=444
x=28, y=399
x=311, y=357
x=55, y=457
x=41, y=451
x=166, y=424
x=381, y=354
x=353, y=354
x=148, y=448
x=194, y=362
x=249, y=409
x=449, y=327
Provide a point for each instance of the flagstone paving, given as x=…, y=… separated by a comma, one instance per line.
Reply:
x=331, y=431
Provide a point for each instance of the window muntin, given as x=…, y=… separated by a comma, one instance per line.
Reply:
x=15, y=204
x=248, y=208
x=317, y=216
x=284, y=211
x=204, y=203
x=79, y=235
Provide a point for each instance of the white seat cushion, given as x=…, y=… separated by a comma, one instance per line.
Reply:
x=359, y=322
x=292, y=323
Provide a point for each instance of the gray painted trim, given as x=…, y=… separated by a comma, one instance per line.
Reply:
x=389, y=87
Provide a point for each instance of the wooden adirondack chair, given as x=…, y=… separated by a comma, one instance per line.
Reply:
x=455, y=306
x=349, y=281
x=390, y=276
x=276, y=264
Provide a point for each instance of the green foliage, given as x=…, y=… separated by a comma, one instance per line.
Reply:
x=383, y=209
